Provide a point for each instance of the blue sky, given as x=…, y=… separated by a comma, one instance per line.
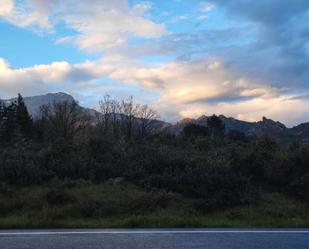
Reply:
x=185, y=58
x=36, y=48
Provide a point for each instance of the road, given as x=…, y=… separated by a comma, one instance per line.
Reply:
x=156, y=239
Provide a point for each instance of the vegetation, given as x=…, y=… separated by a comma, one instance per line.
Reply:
x=68, y=169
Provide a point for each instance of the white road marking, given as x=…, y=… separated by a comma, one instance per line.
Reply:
x=155, y=232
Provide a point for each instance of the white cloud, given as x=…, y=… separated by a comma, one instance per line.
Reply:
x=189, y=82
x=31, y=13
x=101, y=25
x=202, y=18
x=43, y=78
x=6, y=7
x=206, y=7
x=180, y=18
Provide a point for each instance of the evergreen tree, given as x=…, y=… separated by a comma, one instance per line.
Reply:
x=24, y=120
x=2, y=117
x=9, y=124
x=2, y=109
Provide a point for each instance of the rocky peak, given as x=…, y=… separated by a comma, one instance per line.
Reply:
x=271, y=124
x=34, y=103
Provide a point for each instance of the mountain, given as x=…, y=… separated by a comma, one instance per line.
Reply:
x=255, y=129
x=301, y=130
x=301, y=133
x=250, y=129
x=266, y=126
x=177, y=128
x=34, y=103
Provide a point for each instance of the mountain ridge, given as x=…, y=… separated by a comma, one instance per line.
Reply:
x=266, y=126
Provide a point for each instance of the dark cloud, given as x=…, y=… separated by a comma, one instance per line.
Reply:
x=195, y=43
x=282, y=27
x=300, y=97
x=222, y=99
x=273, y=13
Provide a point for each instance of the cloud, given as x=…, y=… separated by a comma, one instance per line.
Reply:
x=178, y=82
x=202, y=18
x=278, y=48
x=206, y=7
x=180, y=18
x=194, y=81
x=99, y=26
x=6, y=7
x=81, y=80
x=275, y=12
x=183, y=89
x=194, y=88
x=31, y=13
x=44, y=78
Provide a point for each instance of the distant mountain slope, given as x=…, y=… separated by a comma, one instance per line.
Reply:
x=249, y=128
x=266, y=126
x=252, y=129
x=301, y=130
x=34, y=103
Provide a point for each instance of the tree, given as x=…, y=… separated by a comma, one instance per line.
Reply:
x=108, y=118
x=195, y=130
x=236, y=135
x=24, y=120
x=133, y=119
x=2, y=112
x=8, y=121
x=215, y=127
x=2, y=117
x=2, y=107
x=106, y=111
x=128, y=112
x=63, y=120
x=146, y=119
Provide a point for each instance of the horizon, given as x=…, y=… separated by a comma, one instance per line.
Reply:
x=241, y=59
x=172, y=122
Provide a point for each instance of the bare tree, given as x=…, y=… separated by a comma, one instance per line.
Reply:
x=109, y=115
x=105, y=113
x=128, y=115
x=64, y=119
x=146, y=119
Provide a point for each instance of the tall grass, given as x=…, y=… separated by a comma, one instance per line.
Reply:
x=81, y=205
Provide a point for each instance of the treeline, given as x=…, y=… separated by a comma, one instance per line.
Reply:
x=122, y=143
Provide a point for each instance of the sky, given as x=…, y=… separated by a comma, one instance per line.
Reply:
x=185, y=58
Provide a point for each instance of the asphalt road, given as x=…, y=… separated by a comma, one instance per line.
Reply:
x=156, y=239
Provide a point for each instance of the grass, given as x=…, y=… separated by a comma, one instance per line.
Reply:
x=126, y=206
